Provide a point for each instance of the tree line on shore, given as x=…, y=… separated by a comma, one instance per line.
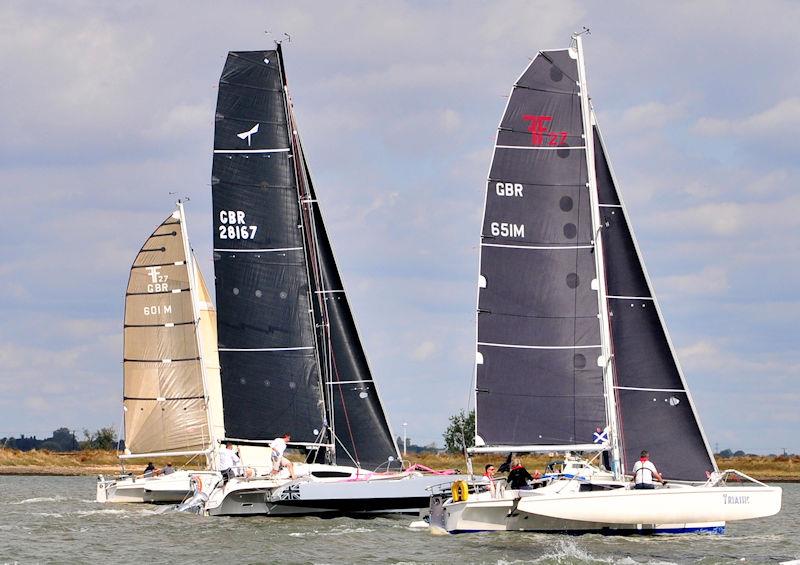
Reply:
x=64, y=439
x=457, y=437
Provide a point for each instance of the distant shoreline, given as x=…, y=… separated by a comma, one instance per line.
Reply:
x=778, y=469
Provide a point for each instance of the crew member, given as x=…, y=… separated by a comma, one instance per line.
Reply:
x=644, y=472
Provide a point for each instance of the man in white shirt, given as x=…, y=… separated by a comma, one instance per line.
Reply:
x=229, y=462
x=278, y=446
x=644, y=471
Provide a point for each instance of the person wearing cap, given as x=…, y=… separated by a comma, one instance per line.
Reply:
x=278, y=447
x=644, y=471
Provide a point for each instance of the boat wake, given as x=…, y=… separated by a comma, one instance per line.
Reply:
x=40, y=499
x=338, y=531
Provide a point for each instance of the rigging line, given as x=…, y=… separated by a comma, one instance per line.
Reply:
x=346, y=415
x=353, y=382
x=543, y=54
x=312, y=256
x=350, y=455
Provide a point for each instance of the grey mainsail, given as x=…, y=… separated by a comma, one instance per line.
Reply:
x=290, y=355
x=538, y=332
x=571, y=344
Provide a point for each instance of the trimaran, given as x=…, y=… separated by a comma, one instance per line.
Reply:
x=572, y=352
x=171, y=388
x=290, y=354
x=288, y=358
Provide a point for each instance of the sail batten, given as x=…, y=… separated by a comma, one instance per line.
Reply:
x=656, y=409
x=537, y=380
x=164, y=393
x=287, y=334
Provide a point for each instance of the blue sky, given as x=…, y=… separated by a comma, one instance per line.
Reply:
x=108, y=108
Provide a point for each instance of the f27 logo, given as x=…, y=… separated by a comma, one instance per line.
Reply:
x=158, y=281
x=539, y=128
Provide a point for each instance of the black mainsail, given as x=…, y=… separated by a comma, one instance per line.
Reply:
x=290, y=354
x=564, y=356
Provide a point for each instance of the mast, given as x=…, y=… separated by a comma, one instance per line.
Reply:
x=356, y=422
x=212, y=441
x=322, y=326
x=605, y=330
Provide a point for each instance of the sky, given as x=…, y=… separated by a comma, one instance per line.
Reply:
x=108, y=114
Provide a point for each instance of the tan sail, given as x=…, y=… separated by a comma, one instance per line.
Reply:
x=164, y=396
x=208, y=344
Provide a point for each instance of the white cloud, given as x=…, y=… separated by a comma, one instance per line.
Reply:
x=111, y=108
x=781, y=119
x=651, y=115
x=711, y=280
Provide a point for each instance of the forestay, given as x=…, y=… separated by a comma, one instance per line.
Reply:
x=655, y=409
x=271, y=383
x=291, y=357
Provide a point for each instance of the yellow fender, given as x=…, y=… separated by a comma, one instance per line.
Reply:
x=460, y=491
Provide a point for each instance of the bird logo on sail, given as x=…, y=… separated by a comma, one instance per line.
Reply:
x=248, y=135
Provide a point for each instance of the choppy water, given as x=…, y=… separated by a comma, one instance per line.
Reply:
x=55, y=519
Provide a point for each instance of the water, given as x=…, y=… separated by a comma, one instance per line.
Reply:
x=55, y=519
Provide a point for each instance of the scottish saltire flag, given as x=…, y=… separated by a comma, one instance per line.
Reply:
x=601, y=436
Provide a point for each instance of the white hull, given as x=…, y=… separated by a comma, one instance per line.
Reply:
x=321, y=495
x=163, y=489
x=562, y=507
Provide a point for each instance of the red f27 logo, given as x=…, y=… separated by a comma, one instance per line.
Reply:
x=539, y=126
